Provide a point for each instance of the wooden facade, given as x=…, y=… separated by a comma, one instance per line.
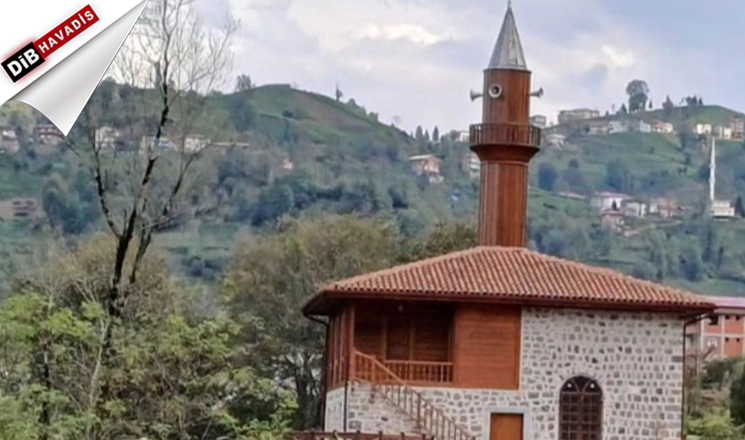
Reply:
x=423, y=343
x=513, y=106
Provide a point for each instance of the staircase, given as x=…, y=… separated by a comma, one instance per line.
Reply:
x=428, y=418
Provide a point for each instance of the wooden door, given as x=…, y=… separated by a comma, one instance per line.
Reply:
x=506, y=427
x=398, y=343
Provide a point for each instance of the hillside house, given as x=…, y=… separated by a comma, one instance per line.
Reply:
x=663, y=127
x=427, y=165
x=462, y=136
x=556, y=140
x=9, y=143
x=635, y=209
x=499, y=342
x=163, y=144
x=471, y=165
x=596, y=127
x=287, y=164
x=609, y=200
x=194, y=143
x=618, y=127
x=723, y=334
x=722, y=209
x=612, y=220
x=107, y=138
x=737, y=125
x=20, y=210
x=639, y=126
x=721, y=132
x=665, y=208
x=48, y=134
x=579, y=114
x=229, y=145
x=539, y=121
x=702, y=129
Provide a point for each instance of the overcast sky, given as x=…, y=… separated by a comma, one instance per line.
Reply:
x=418, y=59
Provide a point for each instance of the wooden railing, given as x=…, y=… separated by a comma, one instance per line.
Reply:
x=427, y=416
x=422, y=372
x=505, y=134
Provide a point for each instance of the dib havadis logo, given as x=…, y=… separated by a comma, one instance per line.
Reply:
x=34, y=54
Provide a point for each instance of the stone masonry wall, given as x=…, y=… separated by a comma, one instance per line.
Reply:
x=636, y=358
x=333, y=419
x=367, y=412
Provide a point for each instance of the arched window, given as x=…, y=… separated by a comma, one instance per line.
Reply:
x=581, y=410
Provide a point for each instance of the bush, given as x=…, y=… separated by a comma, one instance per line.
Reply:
x=714, y=426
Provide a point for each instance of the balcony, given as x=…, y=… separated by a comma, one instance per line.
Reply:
x=412, y=372
x=506, y=134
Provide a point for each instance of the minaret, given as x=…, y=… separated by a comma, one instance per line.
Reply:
x=713, y=170
x=505, y=142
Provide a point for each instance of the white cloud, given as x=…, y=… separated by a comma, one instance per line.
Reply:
x=407, y=32
x=619, y=59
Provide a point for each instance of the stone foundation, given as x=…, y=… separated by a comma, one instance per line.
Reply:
x=636, y=358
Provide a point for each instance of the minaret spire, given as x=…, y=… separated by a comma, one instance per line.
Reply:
x=508, y=52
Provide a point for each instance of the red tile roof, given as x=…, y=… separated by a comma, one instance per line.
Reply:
x=510, y=275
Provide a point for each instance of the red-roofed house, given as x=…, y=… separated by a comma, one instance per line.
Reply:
x=500, y=342
x=723, y=334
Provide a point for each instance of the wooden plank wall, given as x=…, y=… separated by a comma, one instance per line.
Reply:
x=416, y=332
x=486, y=346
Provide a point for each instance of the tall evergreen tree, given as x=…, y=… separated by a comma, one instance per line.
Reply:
x=419, y=133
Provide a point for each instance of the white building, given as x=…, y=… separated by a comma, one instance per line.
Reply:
x=618, y=127
x=471, y=165
x=640, y=126
x=579, y=114
x=635, y=209
x=663, y=127
x=539, y=121
x=722, y=132
x=162, y=145
x=555, y=140
x=609, y=201
x=722, y=209
x=664, y=207
x=107, y=137
x=703, y=129
x=195, y=142
x=9, y=143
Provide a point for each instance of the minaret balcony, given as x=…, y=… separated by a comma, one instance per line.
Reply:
x=505, y=134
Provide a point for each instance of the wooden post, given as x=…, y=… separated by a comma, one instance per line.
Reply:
x=350, y=342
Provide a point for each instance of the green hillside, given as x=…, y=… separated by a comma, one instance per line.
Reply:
x=302, y=152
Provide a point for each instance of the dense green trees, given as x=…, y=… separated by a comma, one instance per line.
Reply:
x=618, y=176
x=271, y=278
x=169, y=375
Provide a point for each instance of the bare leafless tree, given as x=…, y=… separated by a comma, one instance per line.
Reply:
x=171, y=61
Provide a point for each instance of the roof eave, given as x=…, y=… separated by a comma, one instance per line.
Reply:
x=320, y=303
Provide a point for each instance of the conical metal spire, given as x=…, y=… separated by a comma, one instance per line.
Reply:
x=508, y=52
